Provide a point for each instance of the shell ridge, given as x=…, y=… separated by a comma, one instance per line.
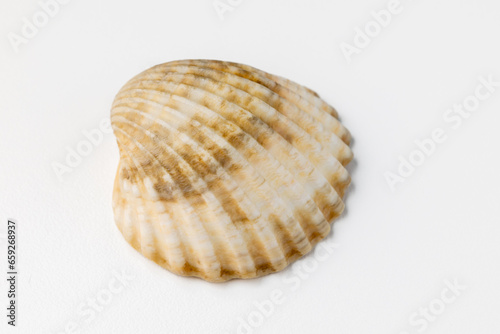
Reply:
x=215, y=74
x=207, y=252
x=307, y=185
x=296, y=162
x=332, y=168
x=305, y=224
x=324, y=118
x=311, y=126
x=140, y=230
x=330, y=115
x=306, y=92
x=220, y=205
x=274, y=263
x=176, y=255
x=293, y=86
x=275, y=258
x=286, y=208
x=119, y=208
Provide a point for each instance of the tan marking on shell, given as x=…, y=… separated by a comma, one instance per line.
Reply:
x=295, y=93
x=225, y=171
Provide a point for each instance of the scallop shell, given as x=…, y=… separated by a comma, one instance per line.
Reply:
x=225, y=171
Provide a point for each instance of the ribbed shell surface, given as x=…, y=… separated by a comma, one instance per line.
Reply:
x=225, y=171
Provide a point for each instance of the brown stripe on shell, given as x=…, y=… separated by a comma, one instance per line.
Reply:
x=243, y=127
x=235, y=212
x=221, y=150
x=238, y=139
x=204, y=263
x=257, y=90
x=136, y=174
x=287, y=91
x=133, y=215
x=324, y=160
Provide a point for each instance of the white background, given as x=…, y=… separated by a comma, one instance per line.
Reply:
x=395, y=249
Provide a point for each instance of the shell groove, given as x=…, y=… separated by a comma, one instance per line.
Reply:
x=225, y=171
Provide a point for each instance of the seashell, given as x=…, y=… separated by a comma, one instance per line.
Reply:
x=225, y=171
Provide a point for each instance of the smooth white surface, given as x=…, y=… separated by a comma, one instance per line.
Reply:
x=394, y=249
